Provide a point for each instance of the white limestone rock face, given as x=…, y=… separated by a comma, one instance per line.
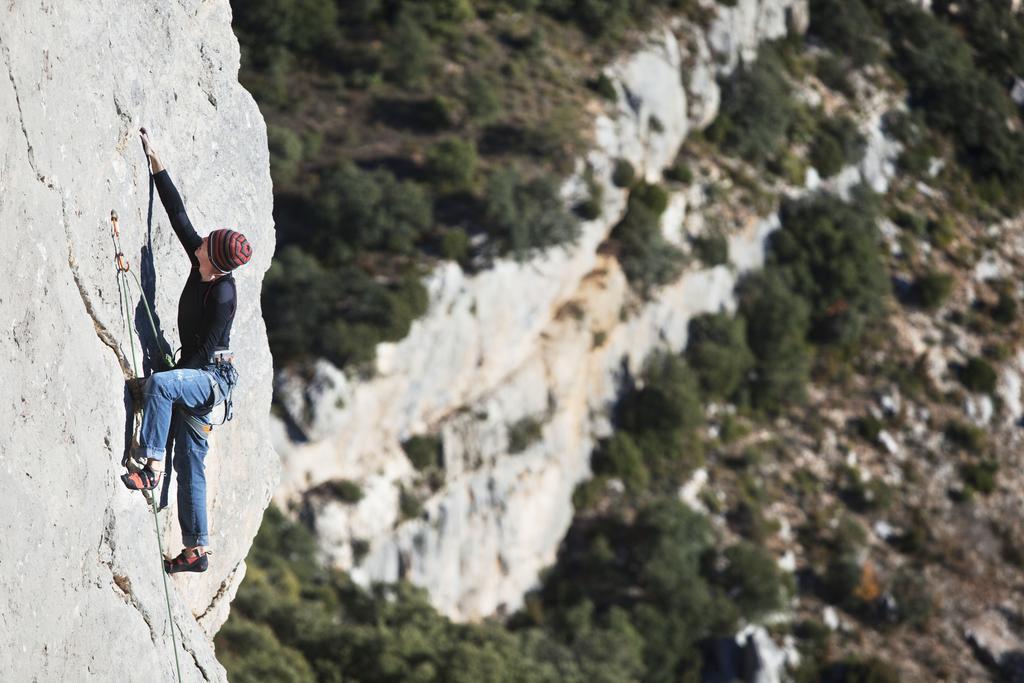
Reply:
x=548, y=341
x=652, y=120
x=81, y=593
x=736, y=32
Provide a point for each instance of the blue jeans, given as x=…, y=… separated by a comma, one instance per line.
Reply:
x=183, y=390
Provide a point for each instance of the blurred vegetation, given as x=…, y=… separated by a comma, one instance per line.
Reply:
x=837, y=143
x=957, y=63
x=406, y=132
x=829, y=253
x=402, y=133
x=758, y=109
x=294, y=620
x=717, y=350
x=647, y=258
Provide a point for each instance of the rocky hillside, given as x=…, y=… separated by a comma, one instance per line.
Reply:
x=82, y=595
x=771, y=387
x=541, y=344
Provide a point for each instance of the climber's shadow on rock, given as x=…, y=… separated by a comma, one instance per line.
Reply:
x=152, y=347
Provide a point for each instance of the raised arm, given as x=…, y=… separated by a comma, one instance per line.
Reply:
x=171, y=200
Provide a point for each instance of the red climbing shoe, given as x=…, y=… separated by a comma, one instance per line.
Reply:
x=187, y=561
x=142, y=480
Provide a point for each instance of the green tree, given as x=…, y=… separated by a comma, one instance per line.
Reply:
x=848, y=27
x=647, y=259
x=717, y=351
x=753, y=580
x=411, y=56
x=777, y=325
x=525, y=215
x=829, y=253
x=837, y=143
x=367, y=209
x=757, y=109
x=452, y=165
x=619, y=456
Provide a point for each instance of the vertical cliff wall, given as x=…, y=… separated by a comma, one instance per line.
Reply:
x=80, y=577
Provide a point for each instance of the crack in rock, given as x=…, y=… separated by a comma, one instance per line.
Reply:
x=225, y=584
x=195, y=659
x=125, y=585
x=102, y=332
x=21, y=120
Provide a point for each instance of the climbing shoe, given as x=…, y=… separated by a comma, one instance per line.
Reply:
x=187, y=561
x=144, y=479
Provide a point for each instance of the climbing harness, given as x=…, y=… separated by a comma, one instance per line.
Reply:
x=123, y=285
x=222, y=363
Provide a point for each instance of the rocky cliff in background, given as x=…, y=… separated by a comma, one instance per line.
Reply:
x=80, y=579
x=546, y=342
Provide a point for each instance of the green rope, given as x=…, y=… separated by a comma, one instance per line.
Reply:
x=163, y=573
x=123, y=279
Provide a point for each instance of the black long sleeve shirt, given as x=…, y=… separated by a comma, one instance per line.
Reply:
x=205, y=309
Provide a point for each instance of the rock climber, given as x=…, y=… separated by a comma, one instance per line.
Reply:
x=202, y=378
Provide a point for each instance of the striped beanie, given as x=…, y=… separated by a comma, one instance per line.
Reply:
x=228, y=249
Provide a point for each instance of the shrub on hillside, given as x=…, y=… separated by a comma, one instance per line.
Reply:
x=669, y=399
x=652, y=569
x=608, y=19
x=717, y=351
x=757, y=109
x=994, y=30
x=753, y=579
x=980, y=476
x=848, y=27
x=914, y=602
x=829, y=253
x=452, y=164
x=356, y=209
x=424, y=451
x=959, y=99
x=410, y=54
x=837, y=143
x=525, y=215
x=777, y=322
x=932, y=289
x=978, y=375
x=336, y=313
x=620, y=457
x=302, y=26
x=660, y=418
x=623, y=174
x=711, y=248
x=481, y=96
x=523, y=433
x=344, y=490
x=647, y=259
x=590, y=208
x=854, y=670
x=1005, y=310
x=286, y=152
x=966, y=436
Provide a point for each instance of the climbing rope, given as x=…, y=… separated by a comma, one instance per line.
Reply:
x=123, y=285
